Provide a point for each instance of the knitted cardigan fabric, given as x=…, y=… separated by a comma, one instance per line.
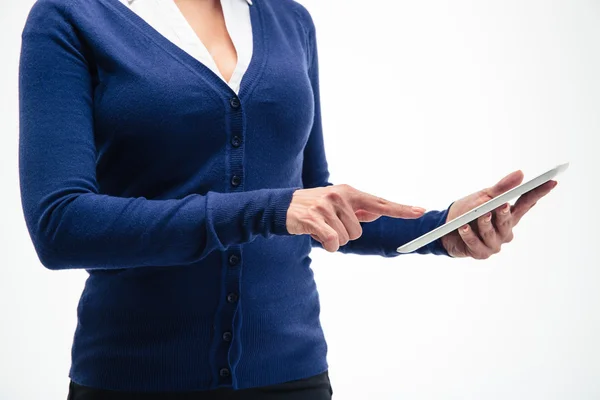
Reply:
x=141, y=166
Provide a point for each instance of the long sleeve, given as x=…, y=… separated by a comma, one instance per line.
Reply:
x=71, y=224
x=383, y=236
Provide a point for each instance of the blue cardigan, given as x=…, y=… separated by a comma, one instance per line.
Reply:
x=141, y=166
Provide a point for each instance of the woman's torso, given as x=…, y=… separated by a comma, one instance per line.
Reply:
x=166, y=126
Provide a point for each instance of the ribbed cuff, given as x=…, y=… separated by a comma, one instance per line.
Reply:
x=396, y=232
x=435, y=220
x=281, y=201
x=235, y=218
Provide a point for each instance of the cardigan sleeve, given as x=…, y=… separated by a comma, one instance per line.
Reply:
x=71, y=224
x=382, y=236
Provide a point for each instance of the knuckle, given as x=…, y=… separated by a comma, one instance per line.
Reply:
x=322, y=207
x=487, y=232
x=331, y=237
x=356, y=232
x=345, y=187
x=334, y=197
x=471, y=240
x=503, y=219
x=384, y=202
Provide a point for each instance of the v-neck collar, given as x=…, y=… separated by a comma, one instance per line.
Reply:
x=254, y=67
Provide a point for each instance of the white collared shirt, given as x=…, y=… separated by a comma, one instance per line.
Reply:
x=166, y=18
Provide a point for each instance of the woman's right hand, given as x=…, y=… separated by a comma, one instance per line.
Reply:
x=332, y=214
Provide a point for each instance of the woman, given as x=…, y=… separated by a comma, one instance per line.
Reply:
x=175, y=152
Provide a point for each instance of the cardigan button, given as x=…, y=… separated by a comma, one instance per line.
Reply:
x=236, y=180
x=236, y=141
x=234, y=260
x=232, y=297
x=227, y=336
x=224, y=373
x=234, y=102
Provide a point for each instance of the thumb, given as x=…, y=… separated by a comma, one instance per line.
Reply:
x=510, y=181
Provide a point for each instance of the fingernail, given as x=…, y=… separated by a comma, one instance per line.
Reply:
x=506, y=209
x=418, y=210
x=465, y=228
x=488, y=218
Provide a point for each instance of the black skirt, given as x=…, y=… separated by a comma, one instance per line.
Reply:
x=317, y=387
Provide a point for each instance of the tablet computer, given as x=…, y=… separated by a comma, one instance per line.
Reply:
x=481, y=210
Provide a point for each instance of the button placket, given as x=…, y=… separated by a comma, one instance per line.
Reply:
x=232, y=259
x=236, y=143
x=225, y=335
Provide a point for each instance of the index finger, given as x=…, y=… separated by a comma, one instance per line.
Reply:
x=380, y=206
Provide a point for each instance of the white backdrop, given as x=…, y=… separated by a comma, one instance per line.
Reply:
x=423, y=102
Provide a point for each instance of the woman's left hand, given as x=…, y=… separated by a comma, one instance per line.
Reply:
x=485, y=236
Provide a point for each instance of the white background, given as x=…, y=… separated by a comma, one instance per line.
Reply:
x=423, y=102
